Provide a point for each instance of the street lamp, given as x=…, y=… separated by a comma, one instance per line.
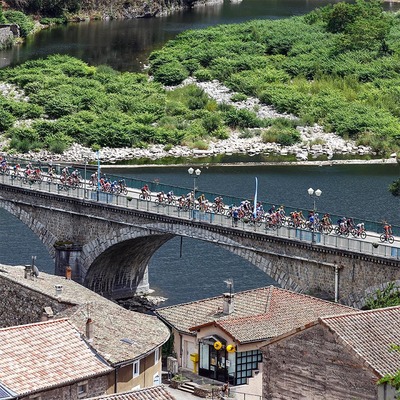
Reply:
x=314, y=195
x=196, y=173
x=85, y=158
x=98, y=174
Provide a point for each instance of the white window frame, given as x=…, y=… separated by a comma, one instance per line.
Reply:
x=136, y=367
x=156, y=355
x=85, y=389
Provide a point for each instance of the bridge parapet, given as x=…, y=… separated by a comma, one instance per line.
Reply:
x=115, y=237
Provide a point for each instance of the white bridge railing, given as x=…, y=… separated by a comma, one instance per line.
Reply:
x=371, y=245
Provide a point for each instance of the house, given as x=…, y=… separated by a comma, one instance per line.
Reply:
x=221, y=337
x=338, y=357
x=130, y=342
x=49, y=360
x=153, y=393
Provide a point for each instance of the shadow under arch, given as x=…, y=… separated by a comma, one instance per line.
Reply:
x=122, y=269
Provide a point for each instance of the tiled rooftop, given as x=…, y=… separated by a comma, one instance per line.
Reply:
x=259, y=314
x=370, y=334
x=152, y=393
x=111, y=323
x=40, y=356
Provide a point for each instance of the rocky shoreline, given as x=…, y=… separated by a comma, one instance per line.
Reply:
x=315, y=143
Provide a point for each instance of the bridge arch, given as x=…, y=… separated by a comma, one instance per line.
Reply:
x=35, y=225
x=119, y=259
x=90, y=228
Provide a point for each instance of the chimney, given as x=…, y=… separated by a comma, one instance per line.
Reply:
x=58, y=289
x=47, y=314
x=228, y=303
x=89, y=329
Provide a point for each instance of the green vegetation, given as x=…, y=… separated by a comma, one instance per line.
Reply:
x=97, y=107
x=2, y=17
x=337, y=66
x=50, y=8
x=388, y=297
x=25, y=22
x=394, y=188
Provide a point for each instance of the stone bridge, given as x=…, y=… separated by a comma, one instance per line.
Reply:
x=108, y=247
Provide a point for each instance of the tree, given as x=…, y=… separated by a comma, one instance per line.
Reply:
x=394, y=188
x=388, y=297
x=392, y=380
x=2, y=17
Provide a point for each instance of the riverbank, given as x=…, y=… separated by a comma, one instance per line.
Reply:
x=315, y=148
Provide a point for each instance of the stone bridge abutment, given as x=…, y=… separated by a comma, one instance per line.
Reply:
x=109, y=247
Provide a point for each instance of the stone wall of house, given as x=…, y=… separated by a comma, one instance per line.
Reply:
x=313, y=364
x=94, y=387
x=21, y=305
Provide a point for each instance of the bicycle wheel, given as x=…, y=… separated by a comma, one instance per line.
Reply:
x=391, y=239
x=382, y=238
x=363, y=235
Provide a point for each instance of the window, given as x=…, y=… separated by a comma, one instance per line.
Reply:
x=136, y=369
x=35, y=397
x=156, y=356
x=246, y=363
x=156, y=379
x=82, y=389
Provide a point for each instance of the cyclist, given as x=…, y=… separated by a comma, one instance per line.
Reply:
x=387, y=230
x=145, y=191
x=3, y=164
x=170, y=196
x=160, y=197
x=360, y=228
x=17, y=168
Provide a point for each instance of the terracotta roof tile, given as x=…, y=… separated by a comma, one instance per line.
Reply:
x=112, y=323
x=152, y=393
x=39, y=356
x=259, y=314
x=370, y=334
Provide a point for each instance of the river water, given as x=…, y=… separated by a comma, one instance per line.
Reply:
x=125, y=45
x=201, y=269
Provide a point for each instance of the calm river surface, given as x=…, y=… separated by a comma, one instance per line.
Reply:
x=125, y=45
x=360, y=191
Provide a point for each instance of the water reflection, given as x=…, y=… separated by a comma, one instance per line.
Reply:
x=125, y=45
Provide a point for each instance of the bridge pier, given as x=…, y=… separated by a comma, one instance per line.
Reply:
x=68, y=254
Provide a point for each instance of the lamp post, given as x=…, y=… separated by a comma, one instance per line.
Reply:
x=98, y=174
x=196, y=173
x=85, y=158
x=314, y=195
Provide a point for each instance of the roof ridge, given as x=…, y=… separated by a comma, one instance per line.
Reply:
x=360, y=312
x=48, y=322
x=213, y=298
x=313, y=298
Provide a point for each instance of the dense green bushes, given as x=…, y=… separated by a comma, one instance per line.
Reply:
x=71, y=101
x=25, y=22
x=2, y=17
x=337, y=66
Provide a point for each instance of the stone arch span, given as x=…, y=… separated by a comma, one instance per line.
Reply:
x=36, y=226
x=116, y=263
